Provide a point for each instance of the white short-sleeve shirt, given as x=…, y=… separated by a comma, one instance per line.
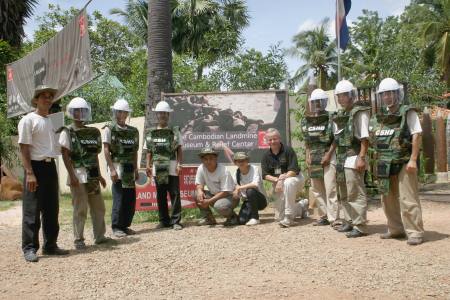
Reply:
x=361, y=130
x=253, y=177
x=173, y=162
x=64, y=141
x=218, y=181
x=38, y=132
x=107, y=139
x=413, y=122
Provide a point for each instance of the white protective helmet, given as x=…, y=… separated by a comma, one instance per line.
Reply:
x=347, y=91
x=389, y=93
x=121, y=105
x=163, y=106
x=79, y=110
x=318, y=101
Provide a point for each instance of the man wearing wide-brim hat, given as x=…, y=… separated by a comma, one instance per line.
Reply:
x=220, y=185
x=40, y=195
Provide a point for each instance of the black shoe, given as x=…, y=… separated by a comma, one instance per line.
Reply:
x=345, y=228
x=231, y=221
x=55, y=251
x=355, y=233
x=31, y=257
x=322, y=222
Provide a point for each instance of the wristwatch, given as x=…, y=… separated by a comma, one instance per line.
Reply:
x=363, y=157
x=180, y=165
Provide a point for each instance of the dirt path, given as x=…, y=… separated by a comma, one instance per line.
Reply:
x=265, y=261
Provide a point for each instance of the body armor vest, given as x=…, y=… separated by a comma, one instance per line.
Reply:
x=391, y=139
x=345, y=139
x=163, y=144
x=124, y=145
x=86, y=144
x=317, y=130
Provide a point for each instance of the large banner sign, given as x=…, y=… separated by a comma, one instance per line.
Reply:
x=146, y=190
x=64, y=63
x=229, y=122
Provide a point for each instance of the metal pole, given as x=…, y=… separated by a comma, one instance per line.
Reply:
x=338, y=23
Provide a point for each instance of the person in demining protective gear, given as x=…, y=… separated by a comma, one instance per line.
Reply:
x=318, y=131
x=80, y=146
x=395, y=137
x=164, y=161
x=121, y=143
x=351, y=139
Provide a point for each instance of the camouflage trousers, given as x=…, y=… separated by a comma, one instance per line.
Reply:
x=324, y=190
x=402, y=205
x=80, y=202
x=354, y=199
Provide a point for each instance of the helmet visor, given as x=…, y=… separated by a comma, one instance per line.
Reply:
x=388, y=98
x=317, y=105
x=83, y=114
x=345, y=99
x=120, y=116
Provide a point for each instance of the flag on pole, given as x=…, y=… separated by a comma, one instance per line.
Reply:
x=341, y=23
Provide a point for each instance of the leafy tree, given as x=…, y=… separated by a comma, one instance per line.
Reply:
x=429, y=20
x=316, y=48
x=205, y=29
x=13, y=15
x=249, y=70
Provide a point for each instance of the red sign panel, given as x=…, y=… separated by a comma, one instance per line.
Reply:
x=82, y=23
x=262, y=143
x=10, y=75
x=146, y=190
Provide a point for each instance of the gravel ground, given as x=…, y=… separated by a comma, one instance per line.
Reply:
x=263, y=261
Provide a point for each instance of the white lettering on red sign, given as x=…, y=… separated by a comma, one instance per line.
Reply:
x=10, y=74
x=82, y=23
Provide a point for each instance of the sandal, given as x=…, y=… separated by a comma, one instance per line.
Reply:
x=177, y=227
x=161, y=225
x=80, y=246
x=129, y=231
x=337, y=224
x=206, y=221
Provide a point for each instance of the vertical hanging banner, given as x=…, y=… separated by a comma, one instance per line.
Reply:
x=64, y=62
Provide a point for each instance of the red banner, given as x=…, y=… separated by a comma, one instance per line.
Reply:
x=146, y=190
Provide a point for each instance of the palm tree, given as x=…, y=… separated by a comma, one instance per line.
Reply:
x=315, y=47
x=205, y=29
x=159, y=64
x=135, y=18
x=13, y=14
x=430, y=20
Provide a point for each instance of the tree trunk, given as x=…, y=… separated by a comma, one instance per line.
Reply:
x=200, y=72
x=159, y=72
x=322, y=80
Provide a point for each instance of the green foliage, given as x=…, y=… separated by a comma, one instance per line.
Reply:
x=424, y=179
x=249, y=70
x=13, y=15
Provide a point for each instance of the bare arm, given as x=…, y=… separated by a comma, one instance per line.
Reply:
x=114, y=176
x=31, y=182
x=102, y=180
x=308, y=162
x=148, y=162
x=136, y=173
x=361, y=163
x=179, y=161
x=327, y=157
x=412, y=164
x=73, y=178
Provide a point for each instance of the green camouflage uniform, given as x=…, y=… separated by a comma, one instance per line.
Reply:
x=124, y=145
x=391, y=140
x=163, y=144
x=86, y=144
x=317, y=130
x=345, y=139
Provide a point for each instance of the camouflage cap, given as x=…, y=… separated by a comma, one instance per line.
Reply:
x=208, y=150
x=240, y=155
x=40, y=89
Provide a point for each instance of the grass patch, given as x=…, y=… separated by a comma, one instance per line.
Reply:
x=5, y=205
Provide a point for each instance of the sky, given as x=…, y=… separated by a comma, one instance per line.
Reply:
x=272, y=21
